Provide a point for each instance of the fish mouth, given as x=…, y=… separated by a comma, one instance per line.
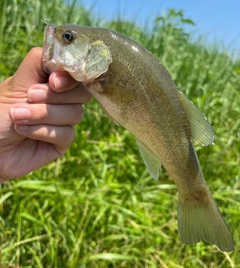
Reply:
x=50, y=50
x=48, y=42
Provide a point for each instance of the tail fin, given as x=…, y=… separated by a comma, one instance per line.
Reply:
x=203, y=222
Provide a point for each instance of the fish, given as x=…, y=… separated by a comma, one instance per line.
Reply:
x=137, y=92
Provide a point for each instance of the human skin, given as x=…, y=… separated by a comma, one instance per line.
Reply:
x=38, y=113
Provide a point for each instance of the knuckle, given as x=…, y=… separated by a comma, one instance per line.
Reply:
x=63, y=144
x=87, y=97
x=78, y=114
x=72, y=136
x=85, y=94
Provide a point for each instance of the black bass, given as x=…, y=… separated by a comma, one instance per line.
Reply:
x=137, y=92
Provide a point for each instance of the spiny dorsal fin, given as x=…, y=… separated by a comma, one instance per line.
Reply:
x=150, y=161
x=201, y=131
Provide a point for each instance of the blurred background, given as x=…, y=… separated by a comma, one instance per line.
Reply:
x=217, y=20
x=97, y=206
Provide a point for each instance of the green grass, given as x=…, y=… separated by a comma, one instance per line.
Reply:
x=97, y=206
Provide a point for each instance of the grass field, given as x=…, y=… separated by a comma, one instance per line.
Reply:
x=97, y=206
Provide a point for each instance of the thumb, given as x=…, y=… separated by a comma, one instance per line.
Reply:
x=31, y=71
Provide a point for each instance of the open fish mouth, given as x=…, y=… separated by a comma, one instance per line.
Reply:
x=51, y=49
x=48, y=42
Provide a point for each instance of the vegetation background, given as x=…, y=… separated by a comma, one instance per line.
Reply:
x=97, y=206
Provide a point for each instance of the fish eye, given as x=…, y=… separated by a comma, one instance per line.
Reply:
x=68, y=36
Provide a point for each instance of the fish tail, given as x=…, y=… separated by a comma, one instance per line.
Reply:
x=203, y=221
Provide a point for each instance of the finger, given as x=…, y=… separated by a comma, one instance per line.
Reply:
x=43, y=93
x=61, y=136
x=62, y=81
x=35, y=114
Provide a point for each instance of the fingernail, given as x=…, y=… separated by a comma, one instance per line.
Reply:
x=21, y=128
x=19, y=113
x=36, y=95
x=60, y=81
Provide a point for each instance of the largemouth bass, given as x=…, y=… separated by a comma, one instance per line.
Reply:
x=137, y=92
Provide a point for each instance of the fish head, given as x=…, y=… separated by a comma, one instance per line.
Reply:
x=71, y=48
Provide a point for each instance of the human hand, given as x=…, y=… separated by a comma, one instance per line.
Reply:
x=38, y=113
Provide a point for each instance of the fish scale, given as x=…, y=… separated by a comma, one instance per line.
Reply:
x=137, y=92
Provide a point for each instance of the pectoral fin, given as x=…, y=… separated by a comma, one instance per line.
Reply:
x=150, y=161
x=111, y=96
x=201, y=131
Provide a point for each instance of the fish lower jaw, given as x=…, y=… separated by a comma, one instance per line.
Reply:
x=80, y=75
x=51, y=66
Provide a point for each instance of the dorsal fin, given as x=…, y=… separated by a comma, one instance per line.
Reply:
x=201, y=131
